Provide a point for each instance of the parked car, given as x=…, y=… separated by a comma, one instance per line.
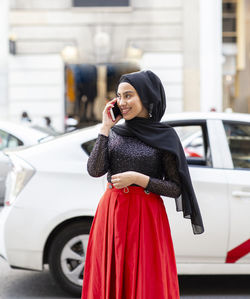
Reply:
x=11, y=136
x=51, y=200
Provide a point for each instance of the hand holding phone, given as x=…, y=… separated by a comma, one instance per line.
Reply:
x=110, y=117
x=115, y=111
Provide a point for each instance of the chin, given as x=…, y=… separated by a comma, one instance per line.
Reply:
x=128, y=117
x=132, y=114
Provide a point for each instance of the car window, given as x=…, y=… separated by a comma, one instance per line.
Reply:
x=88, y=146
x=238, y=138
x=8, y=141
x=13, y=142
x=195, y=144
x=3, y=140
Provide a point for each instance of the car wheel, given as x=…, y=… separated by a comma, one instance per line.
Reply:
x=67, y=256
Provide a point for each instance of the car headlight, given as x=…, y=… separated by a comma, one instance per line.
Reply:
x=19, y=175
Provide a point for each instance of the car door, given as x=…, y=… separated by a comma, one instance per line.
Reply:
x=201, y=144
x=238, y=175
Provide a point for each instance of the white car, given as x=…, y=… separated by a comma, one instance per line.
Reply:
x=51, y=200
x=11, y=136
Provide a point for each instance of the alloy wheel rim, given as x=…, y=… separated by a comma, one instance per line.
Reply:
x=73, y=258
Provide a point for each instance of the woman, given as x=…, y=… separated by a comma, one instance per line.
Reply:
x=130, y=252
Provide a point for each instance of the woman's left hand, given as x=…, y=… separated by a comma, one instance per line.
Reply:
x=123, y=179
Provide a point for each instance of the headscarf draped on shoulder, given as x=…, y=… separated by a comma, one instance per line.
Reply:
x=161, y=136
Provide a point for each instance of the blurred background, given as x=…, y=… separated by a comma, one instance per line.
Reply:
x=61, y=59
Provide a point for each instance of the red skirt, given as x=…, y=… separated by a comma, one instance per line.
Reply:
x=130, y=253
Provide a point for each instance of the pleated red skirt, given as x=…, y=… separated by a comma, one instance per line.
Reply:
x=130, y=253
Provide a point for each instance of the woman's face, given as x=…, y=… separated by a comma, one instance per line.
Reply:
x=129, y=102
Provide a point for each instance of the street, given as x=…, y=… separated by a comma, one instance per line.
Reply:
x=19, y=284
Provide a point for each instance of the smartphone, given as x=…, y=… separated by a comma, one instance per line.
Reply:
x=115, y=111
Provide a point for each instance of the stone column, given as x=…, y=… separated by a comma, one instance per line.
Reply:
x=202, y=52
x=211, y=55
x=4, y=23
x=191, y=54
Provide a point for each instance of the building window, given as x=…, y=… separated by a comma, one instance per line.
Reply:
x=104, y=3
x=229, y=10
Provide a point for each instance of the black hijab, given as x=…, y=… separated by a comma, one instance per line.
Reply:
x=161, y=136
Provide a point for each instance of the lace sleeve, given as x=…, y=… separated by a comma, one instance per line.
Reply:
x=98, y=161
x=170, y=186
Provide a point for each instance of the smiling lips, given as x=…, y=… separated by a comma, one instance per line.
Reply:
x=125, y=111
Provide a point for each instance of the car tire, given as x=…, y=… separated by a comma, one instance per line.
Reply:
x=67, y=253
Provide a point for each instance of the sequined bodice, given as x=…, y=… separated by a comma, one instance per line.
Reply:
x=115, y=154
x=130, y=154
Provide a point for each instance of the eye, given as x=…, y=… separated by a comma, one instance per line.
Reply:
x=128, y=96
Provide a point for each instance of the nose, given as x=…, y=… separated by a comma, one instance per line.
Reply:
x=122, y=102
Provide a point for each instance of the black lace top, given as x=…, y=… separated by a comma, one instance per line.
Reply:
x=115, y=154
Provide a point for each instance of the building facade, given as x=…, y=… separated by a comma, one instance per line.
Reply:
x=179, y=40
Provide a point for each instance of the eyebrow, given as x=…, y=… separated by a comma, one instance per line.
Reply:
x=127, y=91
